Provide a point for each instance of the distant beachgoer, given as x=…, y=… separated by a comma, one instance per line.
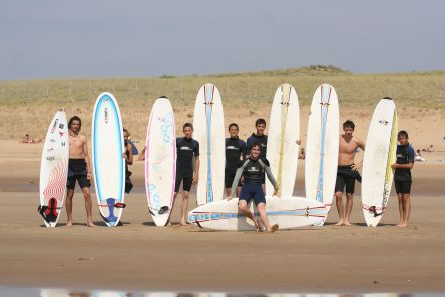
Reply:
x=79, y=169
x=302, y=154
x=402, y=176
x=141, y=156
x=128, y=155
x=430, y=149
x=253, y=170
x=187, y=170
x=235, y=153
x=27, y=139
x=347, y=171
x=418, y=157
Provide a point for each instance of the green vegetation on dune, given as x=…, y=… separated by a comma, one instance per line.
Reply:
x=33, y=102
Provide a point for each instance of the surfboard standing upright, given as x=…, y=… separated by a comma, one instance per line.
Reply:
x=54, y=169
x=284, y=131
x=160, y=161
x=208, y=124
x=108, y=163
x=380, y=154
x=322, y=146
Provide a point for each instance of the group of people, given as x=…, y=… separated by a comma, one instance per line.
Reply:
x=245, y=172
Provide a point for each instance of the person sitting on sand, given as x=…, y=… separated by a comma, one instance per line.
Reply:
x=27, y=139
x=79, y=168
x=347, y=172
x=430, y=149
x=402, y=176
x=253, y=169
x=418, y=157
x=141, y=156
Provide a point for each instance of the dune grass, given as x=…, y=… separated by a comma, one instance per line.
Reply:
x=28, y=106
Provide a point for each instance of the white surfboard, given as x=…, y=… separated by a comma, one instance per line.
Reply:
x=54, y=169
x=160, y=161
x=108, y=163
x=380, y=153
x=288, y=212
x=322, y=146
x=284, y=131
x=209, y=131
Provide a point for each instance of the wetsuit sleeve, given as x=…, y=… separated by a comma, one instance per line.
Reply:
x=271, y=177
x=238, y=175
x=196, y=149
x=249, y=145
x=243, y=149
x=411, y=154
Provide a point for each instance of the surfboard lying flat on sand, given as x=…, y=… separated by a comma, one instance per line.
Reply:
x=209, y=131
x=288, y=212
x=284, y=131
x=160, y=161
x=380, y=154
x=108, y=163
x=54, y=169
x=322, y=146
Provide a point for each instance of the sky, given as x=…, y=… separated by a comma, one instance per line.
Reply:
x=114, y=38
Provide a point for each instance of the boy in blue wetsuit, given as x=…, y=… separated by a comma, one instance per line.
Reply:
x=253, y=170
x=402, y=176
x=235, y=153
x=186, y=169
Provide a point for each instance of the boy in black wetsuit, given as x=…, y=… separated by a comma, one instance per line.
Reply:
x=253, y=170
x=259, y=138
x=235, y=152
x=402, y=176
x=186, y=149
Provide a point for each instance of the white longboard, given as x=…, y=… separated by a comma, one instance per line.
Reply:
x=284, y=131
x=160, y=161
x=380, y=153
x=288, y=212
x=108, y=163
x=322, y=146
x=54, y=169
x=209, y=131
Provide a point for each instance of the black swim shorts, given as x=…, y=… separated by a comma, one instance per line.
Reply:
x=346, y=177
x=77, y=170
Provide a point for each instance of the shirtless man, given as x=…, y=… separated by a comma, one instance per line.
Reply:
x=347, y=172
x=78, y=169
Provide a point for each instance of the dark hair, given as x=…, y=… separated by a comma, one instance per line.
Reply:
x=402, y=133
x=234, y=125
x=125, y=130
x=187, y=125
x=260, y=121
x=349, y=124
x=256, y=144
x=75, y=118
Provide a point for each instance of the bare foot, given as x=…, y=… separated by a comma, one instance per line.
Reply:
x=347, y=223
x=90, y=224
x=339, y=223
x=183, y=224
x=257, y=225
x=274, y=228
x=402, y=225
x=69, y=224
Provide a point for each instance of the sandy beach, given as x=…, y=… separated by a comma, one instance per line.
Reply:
x=140, y=256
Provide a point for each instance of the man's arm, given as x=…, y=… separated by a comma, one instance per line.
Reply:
x=87, y=157
x=196, y=174
x=271, y=178
x=410, y=165
x=130, y=154
x=360, y=143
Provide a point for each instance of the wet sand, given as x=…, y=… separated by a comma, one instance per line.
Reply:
x=140, y=256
